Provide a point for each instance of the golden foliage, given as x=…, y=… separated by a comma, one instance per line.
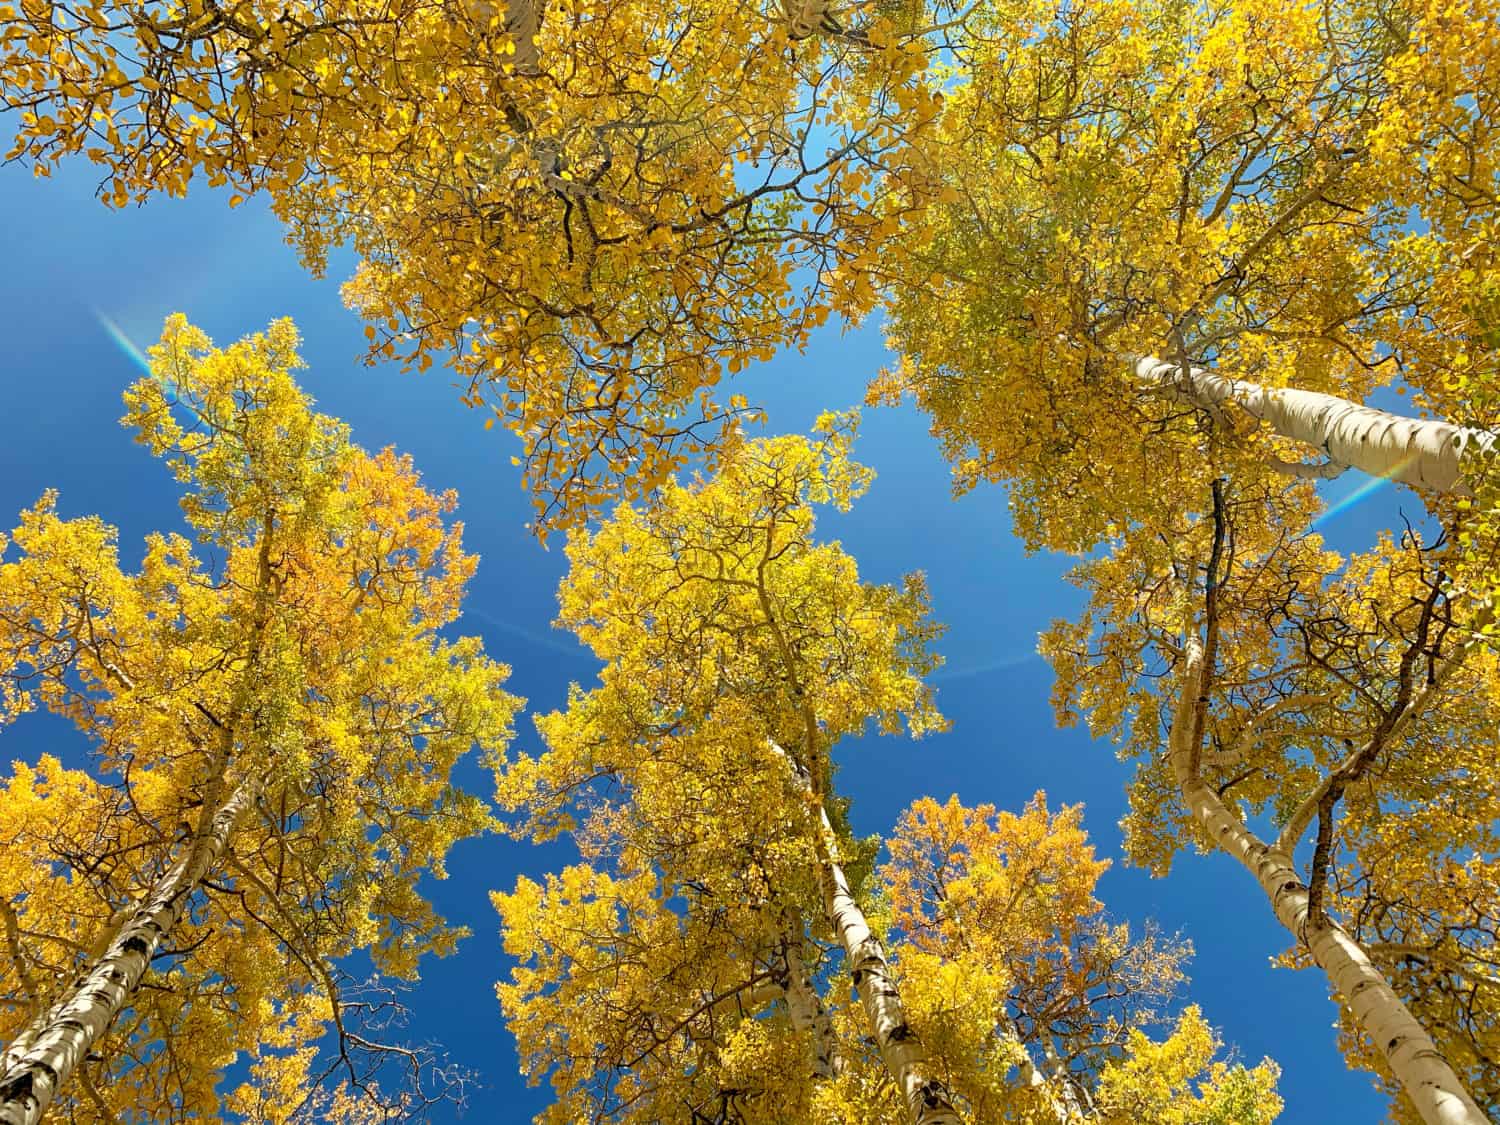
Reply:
x=685, y=966
x=295, y=643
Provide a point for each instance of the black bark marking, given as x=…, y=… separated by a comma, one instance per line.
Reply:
x=23, y=1086
x=18, y=1088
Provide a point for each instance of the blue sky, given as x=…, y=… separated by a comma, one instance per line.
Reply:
x=70, y=264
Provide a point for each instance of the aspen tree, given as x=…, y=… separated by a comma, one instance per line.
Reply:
x=1161, y=218
x=273, y=720
x=1252, y=673
x=591, y=209
x=668, y=976
x=1184, y=249
x=599, y=210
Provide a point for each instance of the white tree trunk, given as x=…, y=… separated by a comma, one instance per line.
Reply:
x=1065, y=1105
x=1425, y=1076
x=900, y=1048
x=1031, y=1075
x=1422, y=453
x=804, y=1006
x=522, y=20
x=804, y=17
x=1033, y=1079
x=44, y=1056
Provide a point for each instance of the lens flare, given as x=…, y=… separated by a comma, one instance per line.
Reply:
x=123, y=342
x=965, y=672
x=1364, y=491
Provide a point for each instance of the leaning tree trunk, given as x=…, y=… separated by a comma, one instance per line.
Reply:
x=901, y=1049
x=804, y=1006
x=41, y=1059
x=1414, y=451
x=1424, y=1074
x=1062, y=1107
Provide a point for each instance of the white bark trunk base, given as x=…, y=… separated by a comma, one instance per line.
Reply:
x=1421, y=453
x=900, y=1048
x=44, y=1056
x=804, y=1006
x=1434, y=1089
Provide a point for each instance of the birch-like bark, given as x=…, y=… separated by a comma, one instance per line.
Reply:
x=44, y=1056
x=804, y=1006
x=804, y=17
x=1424, y=1074
x=1071, y=1110
x=1422, y=453
x=523, y=19
x=1249, y=735
x=18, y=956
x=1032, y=1077
x=901, y=1049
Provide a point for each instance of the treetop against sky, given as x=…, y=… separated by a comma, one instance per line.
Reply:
x=1159, y=271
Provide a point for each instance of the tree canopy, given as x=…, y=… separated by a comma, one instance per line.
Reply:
x=273, y=718
x=1158, y=269
x=690, y=966
x=589, y=210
